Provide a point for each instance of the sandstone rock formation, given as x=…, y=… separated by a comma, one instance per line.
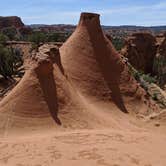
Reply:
x=12, y=21
x=159, y=67
x=140, y=50
x=87, y=86
x=95, y=68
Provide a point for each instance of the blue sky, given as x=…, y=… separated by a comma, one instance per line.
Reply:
x=113, y=12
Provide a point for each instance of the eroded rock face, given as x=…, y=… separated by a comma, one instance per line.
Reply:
x=148, y=54
x=96, y=69
x=12, y=21
x=140, y=50
x=160, y=62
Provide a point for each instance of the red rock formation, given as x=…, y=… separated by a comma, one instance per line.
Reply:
x=25, y=30
x=35, y=96
x=140, y=50
x=87, y=85
x=94, y=67
x=11, y=21
x=160, y=62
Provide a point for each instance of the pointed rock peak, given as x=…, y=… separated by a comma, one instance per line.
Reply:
x=88, y=19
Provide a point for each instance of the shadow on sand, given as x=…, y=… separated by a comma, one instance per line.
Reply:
x=49, y=89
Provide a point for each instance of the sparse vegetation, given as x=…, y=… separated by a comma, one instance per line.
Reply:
x=154, y=96
x=148, y=78
x=3, y=39
x=148, y=83
x=118, y=43
x=37, y=38
x=10, y=62
x=11, y=33
x=138, y=75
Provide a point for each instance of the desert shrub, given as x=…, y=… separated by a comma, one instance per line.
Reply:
x=149, y=78
x=3, y=39
x=53, y=37
x=38, y=37
x=10, y=62
x=11, y=33
x=154, y=96
x=118, y=43
x=57, y=37
x=138, y=75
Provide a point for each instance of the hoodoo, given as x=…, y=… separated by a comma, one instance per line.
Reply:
x=44, y=98
x=95, y=68
x=36, y=100
x=31, y=99
x=79, y=87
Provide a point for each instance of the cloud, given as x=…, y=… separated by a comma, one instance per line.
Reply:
x=134, y=9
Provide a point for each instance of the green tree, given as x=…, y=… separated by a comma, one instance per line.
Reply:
x=38, y=37
x=53, y=37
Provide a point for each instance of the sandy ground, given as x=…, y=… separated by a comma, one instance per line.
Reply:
x=85, y=148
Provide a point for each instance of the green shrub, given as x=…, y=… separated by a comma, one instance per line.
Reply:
x=10, y=62
x=38, y=37
x=154, y=96
x=149, y=78
x=118, y=43
x=3, y=39
x=53, y=37
x=11, y=33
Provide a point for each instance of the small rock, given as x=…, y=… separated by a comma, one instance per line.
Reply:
x=157, y=124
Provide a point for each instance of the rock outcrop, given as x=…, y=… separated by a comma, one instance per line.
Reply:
x=140, y=50
x=95, y=68
x=160, y=63
x=11, y=21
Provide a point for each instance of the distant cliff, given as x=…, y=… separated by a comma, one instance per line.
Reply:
x=11, y=21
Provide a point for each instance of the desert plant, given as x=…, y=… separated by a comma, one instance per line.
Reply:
x=148, y=78
x=11, y=33
x=53, y=37
x=154, y=96
x=38, y=37
x=10, y=62
x=118, y=43
x=3, y=39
